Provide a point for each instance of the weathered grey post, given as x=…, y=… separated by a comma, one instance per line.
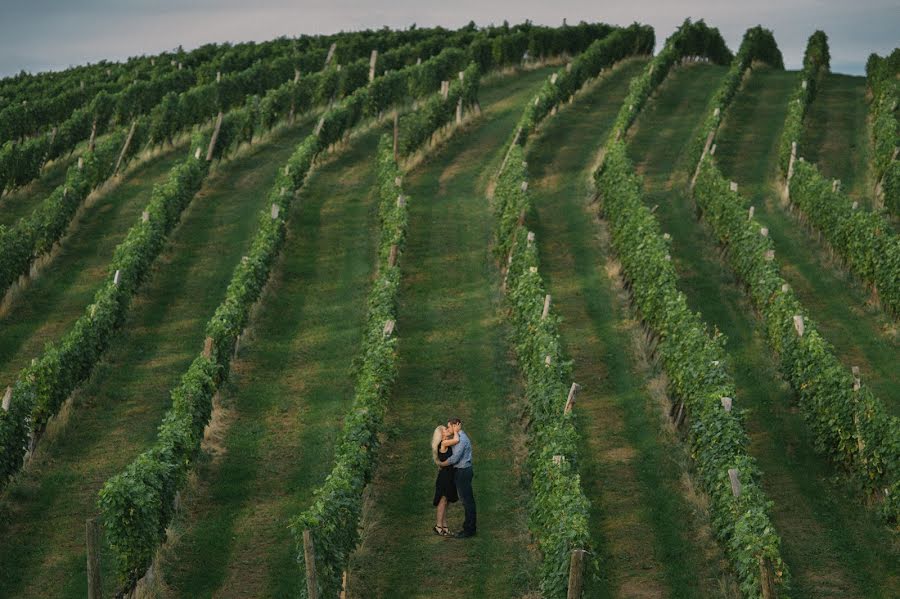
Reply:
x=576, y=574
x=92, y=537
x=309, y=555
x=215, y=137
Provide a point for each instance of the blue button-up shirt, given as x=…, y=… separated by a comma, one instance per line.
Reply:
x=462, y=453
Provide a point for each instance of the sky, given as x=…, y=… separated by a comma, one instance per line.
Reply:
x=37, y=35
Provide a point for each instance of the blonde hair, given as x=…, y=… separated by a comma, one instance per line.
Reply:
x=436, y=437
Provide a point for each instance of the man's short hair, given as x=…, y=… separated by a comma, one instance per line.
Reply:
x=454, y=421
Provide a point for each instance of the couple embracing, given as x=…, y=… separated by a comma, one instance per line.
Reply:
x=451, y=449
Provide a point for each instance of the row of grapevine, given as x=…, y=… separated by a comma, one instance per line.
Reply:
x=36, y=233
x=30, y=111
x=884, y=126
x=180, y=98
x=333, y=518
x=864, y=239
x=692, y=356
x=559, y=509
x=849, y=423
x=137, y=504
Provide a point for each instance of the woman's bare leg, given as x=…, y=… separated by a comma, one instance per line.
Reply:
x=441, y=512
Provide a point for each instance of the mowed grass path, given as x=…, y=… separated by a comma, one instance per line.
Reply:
x=747, y=151
x=454, y=361
x=20, y=202
x=116, y=413
x=836, y=136
x=832, y=544
x=289, y=390
x=649, y=537
x=48, y=305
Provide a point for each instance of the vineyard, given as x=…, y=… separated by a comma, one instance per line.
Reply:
x=659, y=284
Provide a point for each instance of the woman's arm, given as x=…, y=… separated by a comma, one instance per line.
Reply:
x=451, y=441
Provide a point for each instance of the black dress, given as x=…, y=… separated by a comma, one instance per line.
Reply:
x=444, y=485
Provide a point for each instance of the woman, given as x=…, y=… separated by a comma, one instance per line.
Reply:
x=442, y=442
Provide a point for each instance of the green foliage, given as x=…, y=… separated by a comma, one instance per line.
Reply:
x=559, y=509
x=864, y=239
x=418, y=126
x=884, y=87
x=850, y=426
x=696, y=365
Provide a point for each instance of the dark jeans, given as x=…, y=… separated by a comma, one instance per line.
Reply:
x=463, y=479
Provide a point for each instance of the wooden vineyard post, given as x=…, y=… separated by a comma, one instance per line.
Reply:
x=125, y=147
x=330, y=53
x=546, y=307
x=766, y=578
x=392, y=256
x=215, y=138
x=343, y=594
x=706, y=147
x=309, y=556
x=396, y=132
x=7, y=399
x=207, y=347
x=576, y=574
x=372, y=60
x=388, y=328
x=790, y=173
x=735, y=482
x=798, y=324
x=514, y=142
x=93, y=139
x=92, y=538
x=570, y=400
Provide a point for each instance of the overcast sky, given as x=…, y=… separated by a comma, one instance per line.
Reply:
x=53, y=34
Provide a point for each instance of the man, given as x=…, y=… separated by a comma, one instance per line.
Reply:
x=461, y=460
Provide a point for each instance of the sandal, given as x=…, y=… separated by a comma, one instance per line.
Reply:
x=439, y=530
x=445, y=531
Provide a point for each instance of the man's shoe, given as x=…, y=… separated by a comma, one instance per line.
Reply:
x=463, y=535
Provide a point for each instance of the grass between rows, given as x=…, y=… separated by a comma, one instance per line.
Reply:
x=649, y=530
x=453, y=360
x=116, y=412
x=833, y=545
x=836, y=135
x=862, y=335
x=281, y=411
